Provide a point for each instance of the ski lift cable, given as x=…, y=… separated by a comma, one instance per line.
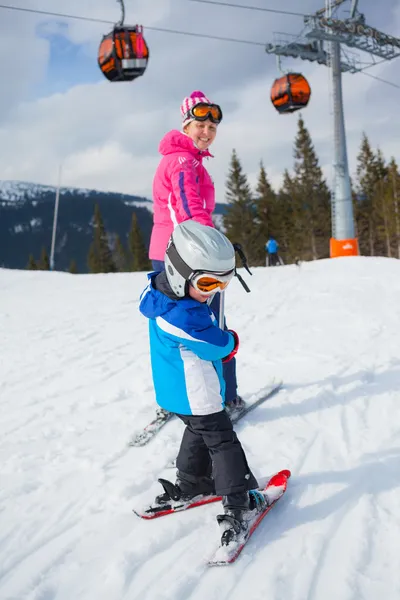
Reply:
x=256, y=8
x=181, y=32
x=108, y=22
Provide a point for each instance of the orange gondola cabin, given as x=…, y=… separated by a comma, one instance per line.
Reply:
x=123, y=53
x=290, y=93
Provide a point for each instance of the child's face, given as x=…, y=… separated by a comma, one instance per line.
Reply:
x=196, y=295
x=202, y=133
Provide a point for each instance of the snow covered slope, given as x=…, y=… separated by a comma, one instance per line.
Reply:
x=75, y=383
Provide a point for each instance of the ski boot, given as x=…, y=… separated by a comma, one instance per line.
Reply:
x=234, y=522
x=161, y=413
x=234, y=407
x=184, y=491
x=172, y=491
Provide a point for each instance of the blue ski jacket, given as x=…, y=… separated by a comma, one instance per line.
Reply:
x=271, y=246
x=186, y=348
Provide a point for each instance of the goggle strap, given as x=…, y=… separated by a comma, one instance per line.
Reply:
x=178, y=262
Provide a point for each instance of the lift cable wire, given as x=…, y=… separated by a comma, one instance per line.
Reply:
x=187, y=33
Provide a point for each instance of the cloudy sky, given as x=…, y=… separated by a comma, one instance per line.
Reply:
x=57, y=108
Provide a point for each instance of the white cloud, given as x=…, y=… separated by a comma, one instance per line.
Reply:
x=107, y=135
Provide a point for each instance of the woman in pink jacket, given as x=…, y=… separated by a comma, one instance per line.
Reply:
x=183, y=189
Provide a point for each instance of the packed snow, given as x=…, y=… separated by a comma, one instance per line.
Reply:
x=75, y=384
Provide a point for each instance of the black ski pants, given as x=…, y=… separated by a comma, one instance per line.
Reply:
x=210, y=449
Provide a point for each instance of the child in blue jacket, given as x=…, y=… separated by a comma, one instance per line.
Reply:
x=187, y=351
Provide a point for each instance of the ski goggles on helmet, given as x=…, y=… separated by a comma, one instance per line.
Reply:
x=209, y=283
x=203, y=111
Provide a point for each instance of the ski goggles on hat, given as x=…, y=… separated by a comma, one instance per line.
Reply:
x=209, y=283
x=203, y=111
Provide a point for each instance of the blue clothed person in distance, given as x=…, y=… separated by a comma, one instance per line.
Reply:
x=272, y=246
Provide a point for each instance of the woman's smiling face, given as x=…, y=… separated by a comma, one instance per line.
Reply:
x=202, y=133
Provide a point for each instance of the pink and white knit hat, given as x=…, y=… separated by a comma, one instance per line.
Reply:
x=196, y=97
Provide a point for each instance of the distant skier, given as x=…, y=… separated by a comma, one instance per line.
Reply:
x=187, y=351
x=273, y=259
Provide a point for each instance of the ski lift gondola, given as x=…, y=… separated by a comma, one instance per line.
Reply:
x=123, y=53
x=290, y=93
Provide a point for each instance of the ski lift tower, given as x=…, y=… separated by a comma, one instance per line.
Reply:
x=321, y=42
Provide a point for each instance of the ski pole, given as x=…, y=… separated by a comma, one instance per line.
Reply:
x=221, y=320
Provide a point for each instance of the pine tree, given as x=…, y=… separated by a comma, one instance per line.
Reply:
x=119, y=255
x=44, y=263
x=394, y=191
x=366, y=213
x=290, y=235
x=266, y=214
x=382, y=206
x=139, y=260
x=100, y=257
x=31, y=266
x=312, y=195
x=72, y=267
x=239, y=220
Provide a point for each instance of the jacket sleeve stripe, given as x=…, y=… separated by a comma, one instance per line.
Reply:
x=184, y=199
x=176, y=331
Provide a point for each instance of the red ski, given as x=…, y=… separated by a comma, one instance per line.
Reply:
x=275, y=488
x=156, y=510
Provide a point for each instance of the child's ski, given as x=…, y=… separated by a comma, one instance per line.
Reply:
x=154, y=511
x=143, y=437
x=274, y=490
x=157, y=510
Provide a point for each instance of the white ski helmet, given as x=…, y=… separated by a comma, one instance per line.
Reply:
x=195, y=248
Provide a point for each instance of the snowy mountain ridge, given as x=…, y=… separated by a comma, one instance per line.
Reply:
x=20, y=191
x=27, y=215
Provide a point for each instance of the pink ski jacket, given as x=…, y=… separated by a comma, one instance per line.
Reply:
x=182, y=190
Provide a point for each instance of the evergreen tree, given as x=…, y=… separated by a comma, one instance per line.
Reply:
x=72, y=267
x=139, y=260
x=31, y=266
x=311, y=197
x=382, y=206
x=289, y=234
x=239, y=220
x=44, y=263
x=100, y=257
x=119, y=255
x=366, y=215
x=266, y=214
x=393, y=189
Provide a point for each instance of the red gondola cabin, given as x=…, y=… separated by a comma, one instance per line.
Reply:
x=123, y=54
x=290, y=93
